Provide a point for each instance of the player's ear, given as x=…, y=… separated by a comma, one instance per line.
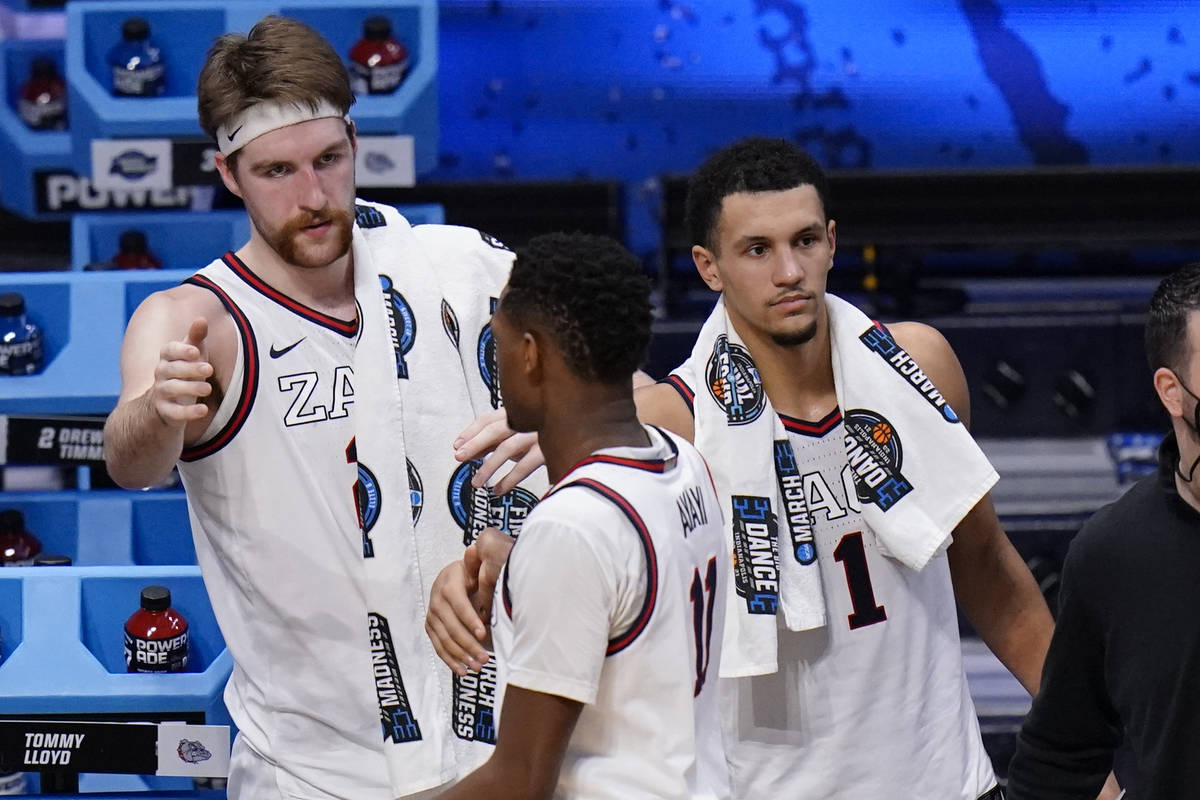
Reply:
x=831, y=231
x=225, y=169
x=532, y=357
x=1170, y=393
x=706, y=265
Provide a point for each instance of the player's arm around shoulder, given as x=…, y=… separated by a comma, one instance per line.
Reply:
x=179, y=346
x=991, y=582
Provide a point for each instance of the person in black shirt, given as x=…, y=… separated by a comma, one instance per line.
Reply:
x=1123, y=663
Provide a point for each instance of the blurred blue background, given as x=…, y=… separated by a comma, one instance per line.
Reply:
x=624, y=87
x=633, y=89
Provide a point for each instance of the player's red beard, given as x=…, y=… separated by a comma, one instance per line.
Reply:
x=289, y=242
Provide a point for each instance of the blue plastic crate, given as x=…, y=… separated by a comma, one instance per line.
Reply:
x=83, y=316
x=109, y=527
x=26, y=152
x=186, y=28
x=63, y=643
x=182, y=240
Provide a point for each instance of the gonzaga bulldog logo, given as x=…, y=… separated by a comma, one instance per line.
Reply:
x=192, y=751
x=475, y=509
x=733, y=382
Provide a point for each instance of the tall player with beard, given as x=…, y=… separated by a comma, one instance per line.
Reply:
x=244, y=375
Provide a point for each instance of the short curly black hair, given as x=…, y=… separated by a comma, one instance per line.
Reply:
x=591, y=294
x=757, y=164
x=1166, y=324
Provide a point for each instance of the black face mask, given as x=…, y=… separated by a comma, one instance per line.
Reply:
x=1194, y=424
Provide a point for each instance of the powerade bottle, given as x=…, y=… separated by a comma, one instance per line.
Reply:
x=156, y=636
x=134, y=253
x=138, y=69
x=378, y=62
x=17, y=545
x=20, y=340
x=43, y=102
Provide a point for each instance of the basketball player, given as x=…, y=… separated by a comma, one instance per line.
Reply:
x=245, y=376
x=875, y=702
x=609, y=609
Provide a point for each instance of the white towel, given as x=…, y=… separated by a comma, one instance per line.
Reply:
x=916, y=495
x=423, y=369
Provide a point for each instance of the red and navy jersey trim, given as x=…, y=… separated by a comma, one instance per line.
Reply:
x=504, y=594
x=627, y=638
x=816, y=429
x=658, y=465
x=685, y=391
x=245, y=401
x=343, y=327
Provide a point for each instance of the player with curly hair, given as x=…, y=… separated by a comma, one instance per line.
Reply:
x=608, y=611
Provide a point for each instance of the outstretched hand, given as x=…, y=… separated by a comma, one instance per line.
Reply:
x=489, y=434
x=181, y=378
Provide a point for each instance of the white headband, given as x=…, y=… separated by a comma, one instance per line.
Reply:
x=266, y=117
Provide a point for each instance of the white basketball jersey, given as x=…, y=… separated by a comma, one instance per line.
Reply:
x=614, y=596
x=271, y=499
x=874, y=704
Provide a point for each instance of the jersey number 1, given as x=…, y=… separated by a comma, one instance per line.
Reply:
x=702, y=618
x=853, y=556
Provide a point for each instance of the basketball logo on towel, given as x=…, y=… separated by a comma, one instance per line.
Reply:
x=881, y=433
x=733, y=382
x=402, y=325
x=475, y=509
x=875, y=456
x=367, y=501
